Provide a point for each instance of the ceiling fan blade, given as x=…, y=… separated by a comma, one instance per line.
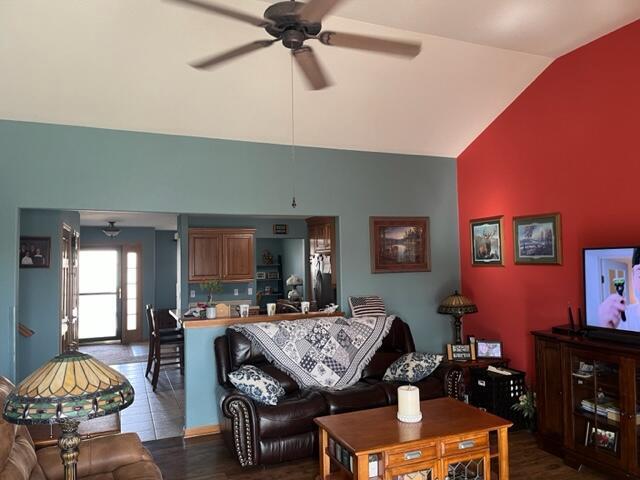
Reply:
x=316, y=10
x=228, y=12
x=219, y=58
x=311, y=68
x=373, y=44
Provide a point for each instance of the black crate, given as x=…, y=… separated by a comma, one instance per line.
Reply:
x=497, y=393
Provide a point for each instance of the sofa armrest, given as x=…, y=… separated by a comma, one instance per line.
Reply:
x=452, y=378
x=240, y=410
x=97, y=456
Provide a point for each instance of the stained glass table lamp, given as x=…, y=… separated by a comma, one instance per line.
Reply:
x=68, y=389
x=457, y=305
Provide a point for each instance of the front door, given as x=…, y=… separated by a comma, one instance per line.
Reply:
x=100, y=306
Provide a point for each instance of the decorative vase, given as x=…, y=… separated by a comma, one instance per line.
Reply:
x=211, y=313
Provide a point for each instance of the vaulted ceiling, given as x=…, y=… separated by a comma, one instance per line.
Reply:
x=123, y=64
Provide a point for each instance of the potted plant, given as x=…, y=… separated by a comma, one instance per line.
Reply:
x=527, y=407
x=211, y=287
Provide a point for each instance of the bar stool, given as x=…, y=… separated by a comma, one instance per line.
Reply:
x=159, y=338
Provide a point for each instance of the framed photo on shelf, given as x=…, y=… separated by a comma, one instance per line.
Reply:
x=486, y=242
x=399, y=244
x=489, y=348
x=273, y=275
x=34, y=252
x=461, y=352
x=537, y=239
x=601, y=438
x=261, y=275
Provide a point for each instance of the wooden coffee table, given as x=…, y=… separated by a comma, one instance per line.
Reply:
x=452, y=442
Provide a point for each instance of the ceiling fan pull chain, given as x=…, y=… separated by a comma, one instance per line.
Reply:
x=293, y=138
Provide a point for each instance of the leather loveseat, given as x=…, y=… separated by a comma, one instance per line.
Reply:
x=259, y=434
x=115, y=457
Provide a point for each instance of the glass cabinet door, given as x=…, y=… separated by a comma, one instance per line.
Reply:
x=597, y=406
x=469, y=467
x=420, y=471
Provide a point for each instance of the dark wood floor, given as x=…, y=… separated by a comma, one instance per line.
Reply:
x=207, y=458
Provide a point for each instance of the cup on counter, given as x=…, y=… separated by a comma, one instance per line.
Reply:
x=304, y=307
x=271, y=309
x=244, y=311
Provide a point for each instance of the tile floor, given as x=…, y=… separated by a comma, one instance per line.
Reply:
x=158, y=415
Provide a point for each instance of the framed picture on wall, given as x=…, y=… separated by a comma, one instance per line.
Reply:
x=537, y=239
x=34, y=252
x=399, y=244
x=486, y=242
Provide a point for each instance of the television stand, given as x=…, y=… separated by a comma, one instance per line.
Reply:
x=588, y=392
x=612, y=336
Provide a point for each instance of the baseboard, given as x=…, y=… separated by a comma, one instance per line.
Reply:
x=201, y=431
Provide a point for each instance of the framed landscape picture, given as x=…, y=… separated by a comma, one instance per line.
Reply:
x=537, y=239
x=486, y=242
x=399, y=244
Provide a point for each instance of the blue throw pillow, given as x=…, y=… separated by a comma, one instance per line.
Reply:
x=412, y=367
x=257, y=385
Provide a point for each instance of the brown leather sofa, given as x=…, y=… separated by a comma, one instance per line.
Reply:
x=115, y=457
x=261, y=434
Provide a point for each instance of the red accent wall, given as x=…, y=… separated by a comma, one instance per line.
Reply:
x=570, y=143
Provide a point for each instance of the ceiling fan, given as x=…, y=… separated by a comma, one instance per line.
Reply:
x=293, y=23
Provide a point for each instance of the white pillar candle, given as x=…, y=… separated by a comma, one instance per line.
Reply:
x=408, y=401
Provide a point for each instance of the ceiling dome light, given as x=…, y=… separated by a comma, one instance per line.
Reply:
x=111, y=231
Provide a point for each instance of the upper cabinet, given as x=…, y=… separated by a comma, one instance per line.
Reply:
x=221, y=254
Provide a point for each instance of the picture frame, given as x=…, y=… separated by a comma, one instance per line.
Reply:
x=400, y=244
x=487, y=240
x=489, y=348
x=280, y=229
x=537, y=239
x=273, y=276
x=34, y=252
x=461, y=352
x=261, y=275
x=601, y=438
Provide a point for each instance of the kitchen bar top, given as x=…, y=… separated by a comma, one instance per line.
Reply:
x=191, y=322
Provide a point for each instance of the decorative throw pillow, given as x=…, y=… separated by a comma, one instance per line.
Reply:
x=412, y=367
x=256, y=384
x=367, y=306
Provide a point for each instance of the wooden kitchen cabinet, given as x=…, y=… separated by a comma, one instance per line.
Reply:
x=221, y=254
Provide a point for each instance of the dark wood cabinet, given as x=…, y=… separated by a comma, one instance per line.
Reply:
x=550, y=392
x=221, y=254
x=587, y=402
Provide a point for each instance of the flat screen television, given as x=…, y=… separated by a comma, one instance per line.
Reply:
x=612, y=291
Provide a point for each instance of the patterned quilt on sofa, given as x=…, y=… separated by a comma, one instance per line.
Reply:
x=327, y=353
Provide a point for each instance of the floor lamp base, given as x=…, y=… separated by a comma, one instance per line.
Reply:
x=68, y=443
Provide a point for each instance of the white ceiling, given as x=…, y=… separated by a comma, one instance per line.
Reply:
x=122, y=64
x=542, y=27
x=159, y=221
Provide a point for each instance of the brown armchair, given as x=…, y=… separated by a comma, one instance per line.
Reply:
x=116, y=457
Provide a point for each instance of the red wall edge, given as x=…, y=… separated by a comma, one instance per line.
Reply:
x=570, y=143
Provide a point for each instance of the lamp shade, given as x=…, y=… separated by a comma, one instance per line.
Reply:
x=71, y=386
x=294, y=280
x=457, y=304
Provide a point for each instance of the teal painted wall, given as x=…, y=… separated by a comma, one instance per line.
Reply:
x=166, y=269
x=39, y=291
x=96, y=169
x=145, y=237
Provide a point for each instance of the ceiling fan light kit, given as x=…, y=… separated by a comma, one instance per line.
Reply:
x=293, y=23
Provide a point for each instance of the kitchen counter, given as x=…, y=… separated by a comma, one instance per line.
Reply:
x=191, y=322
